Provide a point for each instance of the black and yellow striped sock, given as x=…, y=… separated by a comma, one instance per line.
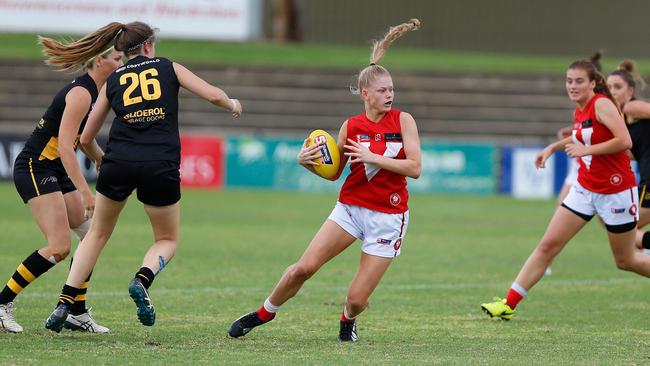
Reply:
x=79, y=306
x=146, y=275
x=68, y=293
x=28, y=271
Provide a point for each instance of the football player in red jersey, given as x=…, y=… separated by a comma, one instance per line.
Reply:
x=383, y=147
x=572, y=168
x=623, y=83
x=606, y=186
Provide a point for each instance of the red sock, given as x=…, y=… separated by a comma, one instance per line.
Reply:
x=264, y=314
x=513, y=298
x=345, y=319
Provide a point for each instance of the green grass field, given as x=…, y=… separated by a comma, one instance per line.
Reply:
x=23, y=46
x=460, y=251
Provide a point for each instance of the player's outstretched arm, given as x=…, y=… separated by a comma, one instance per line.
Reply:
x=205, y=90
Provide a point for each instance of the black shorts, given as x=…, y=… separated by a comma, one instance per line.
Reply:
x=644, y=194
x=33, y=178
x=157, y=183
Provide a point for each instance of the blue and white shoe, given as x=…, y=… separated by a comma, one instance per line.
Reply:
x=140, y=295
x=55, y=321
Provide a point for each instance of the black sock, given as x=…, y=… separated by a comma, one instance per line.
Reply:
x=27, y=272
x=146, y=276
x=645, y=242
x=68, y=293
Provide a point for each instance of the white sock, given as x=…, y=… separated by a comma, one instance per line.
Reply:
x=52, y=260
x=270, y=307
x=345, y=313
x=520, y=290
x=82, y=229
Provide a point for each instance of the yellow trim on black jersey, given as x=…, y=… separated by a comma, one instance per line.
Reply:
x=51, y=150
x=31, y=172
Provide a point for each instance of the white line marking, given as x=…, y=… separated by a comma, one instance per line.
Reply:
x=546, y=282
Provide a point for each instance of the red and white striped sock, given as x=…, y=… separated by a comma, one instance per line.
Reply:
x=515, y=295
x=267, y=311
x=345, y=317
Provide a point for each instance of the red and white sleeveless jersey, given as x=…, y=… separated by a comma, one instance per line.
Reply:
x=367, y=185
x=605, y=174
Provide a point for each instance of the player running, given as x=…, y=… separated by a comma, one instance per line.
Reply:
x=384, y=148
x=606, y=186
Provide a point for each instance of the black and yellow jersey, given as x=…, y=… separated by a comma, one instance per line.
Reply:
x=640, y=134
x=43, y=144
x=144, y=96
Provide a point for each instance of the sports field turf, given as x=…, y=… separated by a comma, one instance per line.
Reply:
x=460, y=251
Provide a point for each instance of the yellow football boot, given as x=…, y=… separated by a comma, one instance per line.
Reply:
x=498, y=309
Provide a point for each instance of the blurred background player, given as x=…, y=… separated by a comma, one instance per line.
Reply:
x=606, y=186
x=384, y=148
x=623, y=84
x=142, y=154
x=49, y=179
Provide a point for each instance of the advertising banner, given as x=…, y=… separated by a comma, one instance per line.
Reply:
x=527, y=180
x=521, y=179
x=259, y=162
x=234, y=20
x=11, y=145
x=202, y=161
x=457, y=168
x=446, y=168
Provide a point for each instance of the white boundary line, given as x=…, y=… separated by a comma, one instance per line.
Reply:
x=546, y=282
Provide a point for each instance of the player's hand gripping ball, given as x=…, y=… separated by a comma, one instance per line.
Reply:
x=328, y=165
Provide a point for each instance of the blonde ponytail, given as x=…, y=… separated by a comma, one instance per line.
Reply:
x=379, y=47
x=75, y=55
x=374, y=70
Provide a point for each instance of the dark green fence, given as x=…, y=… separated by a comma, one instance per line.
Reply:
x=541, y=27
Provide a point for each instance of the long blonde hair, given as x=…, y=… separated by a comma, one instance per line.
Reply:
x=79, y=54
x=371, y=72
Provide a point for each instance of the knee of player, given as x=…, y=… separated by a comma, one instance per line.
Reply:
x=59, y=245
x=59, y=253
x=549, y=246
x=624, y=263
x=300, y=272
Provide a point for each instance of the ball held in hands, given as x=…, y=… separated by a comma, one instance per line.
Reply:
x=328, y=165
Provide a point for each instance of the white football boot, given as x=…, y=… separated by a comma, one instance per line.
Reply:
x=7, y=319
x=84, y=323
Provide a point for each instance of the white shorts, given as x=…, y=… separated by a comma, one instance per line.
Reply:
x=572, y=172
x=382, y=233
x=618, y=210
